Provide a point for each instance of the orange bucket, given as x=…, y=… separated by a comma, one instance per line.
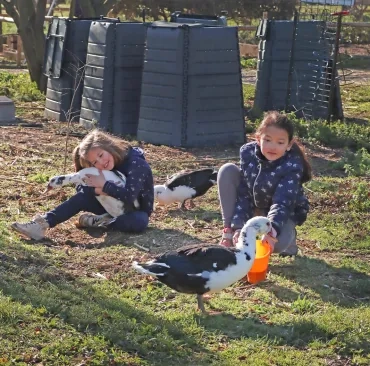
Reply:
x=258, y=271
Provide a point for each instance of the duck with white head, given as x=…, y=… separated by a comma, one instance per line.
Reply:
x=205, y=268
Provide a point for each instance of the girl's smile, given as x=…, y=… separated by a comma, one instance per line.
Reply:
x=100, y=159
x=274, y=142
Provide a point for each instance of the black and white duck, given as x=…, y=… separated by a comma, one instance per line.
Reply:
x=184, y=186
x=202, y=268
x=113, y=206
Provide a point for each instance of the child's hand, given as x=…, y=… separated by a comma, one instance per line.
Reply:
x=236, y=236
x=270, y=239
x=100, y=192
x=96, y=181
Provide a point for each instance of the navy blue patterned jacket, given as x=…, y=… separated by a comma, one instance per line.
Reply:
x=139, y=181
x=274, y=187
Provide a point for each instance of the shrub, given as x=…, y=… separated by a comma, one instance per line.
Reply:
x=355, y=164
x=361, y=198
x=18, y=86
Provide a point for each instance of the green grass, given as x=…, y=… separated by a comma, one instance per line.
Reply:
x=57, y=309
x=19, y=87
x=74, y=299
x=353, y=132
x=248, y=63
x=9, y=28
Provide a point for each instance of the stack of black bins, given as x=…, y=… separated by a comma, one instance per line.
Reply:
x=64, y=64
x=111, y=93
x=191, y=91
x=293, y=69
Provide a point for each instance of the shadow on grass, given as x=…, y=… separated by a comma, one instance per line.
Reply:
x=343, y=286
x=97, y=308
x=153, y=240
x=297, y=333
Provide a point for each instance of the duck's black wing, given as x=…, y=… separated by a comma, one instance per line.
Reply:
x=200, y=180
x=196, y=258
x=188, y=268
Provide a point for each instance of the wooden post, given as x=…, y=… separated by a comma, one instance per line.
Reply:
x=19, y=51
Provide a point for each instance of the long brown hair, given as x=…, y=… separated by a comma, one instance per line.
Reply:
x=279, y=120
x=76, y=159
x=117, y=147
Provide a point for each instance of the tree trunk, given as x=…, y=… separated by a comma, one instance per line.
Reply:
x=95, y=8
x=33, y=47
x=29, y=18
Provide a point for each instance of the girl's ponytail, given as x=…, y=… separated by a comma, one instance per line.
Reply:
x=307, y=170
x=76, y=159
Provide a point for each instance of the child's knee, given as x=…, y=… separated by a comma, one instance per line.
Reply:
x=228, y=174
x=140, y=223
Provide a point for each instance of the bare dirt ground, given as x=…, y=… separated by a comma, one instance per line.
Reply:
x=29, y=152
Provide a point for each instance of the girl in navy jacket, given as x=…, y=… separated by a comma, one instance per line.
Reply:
x=104, y=152
x=268, y=183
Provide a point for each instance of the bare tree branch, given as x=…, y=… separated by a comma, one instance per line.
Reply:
x=11, y=10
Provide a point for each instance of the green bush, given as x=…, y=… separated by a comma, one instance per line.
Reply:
x=335, y=134
x=355, y=164
x=352, y=135
x=360, y=199
x=19, y=86
x=248, y=63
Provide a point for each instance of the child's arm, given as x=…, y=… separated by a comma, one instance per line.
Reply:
x=136, y=177
x=243, y=205
x=285, y=196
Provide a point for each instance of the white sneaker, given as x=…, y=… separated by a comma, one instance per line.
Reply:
x=91, y=220
x=35, y=229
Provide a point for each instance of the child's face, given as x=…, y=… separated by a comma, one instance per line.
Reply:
x=274, y=142
x=100, y=159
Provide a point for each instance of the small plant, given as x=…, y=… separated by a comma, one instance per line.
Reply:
x=355, y=164
x=361, y=198
x=303, y=305
x=20, y=87
x=39, y=178
x=248, y=63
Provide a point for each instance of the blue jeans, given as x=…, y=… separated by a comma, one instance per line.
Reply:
x=85, y=200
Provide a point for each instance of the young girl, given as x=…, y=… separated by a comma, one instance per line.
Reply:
x=268, y=183
x=104, y=152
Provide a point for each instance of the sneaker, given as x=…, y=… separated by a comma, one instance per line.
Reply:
x=91, y=220
x=227, y=237
x=289, y=252
x=35, y=229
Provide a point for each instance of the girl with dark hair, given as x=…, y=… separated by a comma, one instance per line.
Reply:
x=268, y=183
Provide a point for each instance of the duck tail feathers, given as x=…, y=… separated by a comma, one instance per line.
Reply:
x=152, y=269
x=213, y=177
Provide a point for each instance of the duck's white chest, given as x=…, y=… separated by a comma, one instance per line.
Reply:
x=179, y=194
x=219, y=280
x=113, y=206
